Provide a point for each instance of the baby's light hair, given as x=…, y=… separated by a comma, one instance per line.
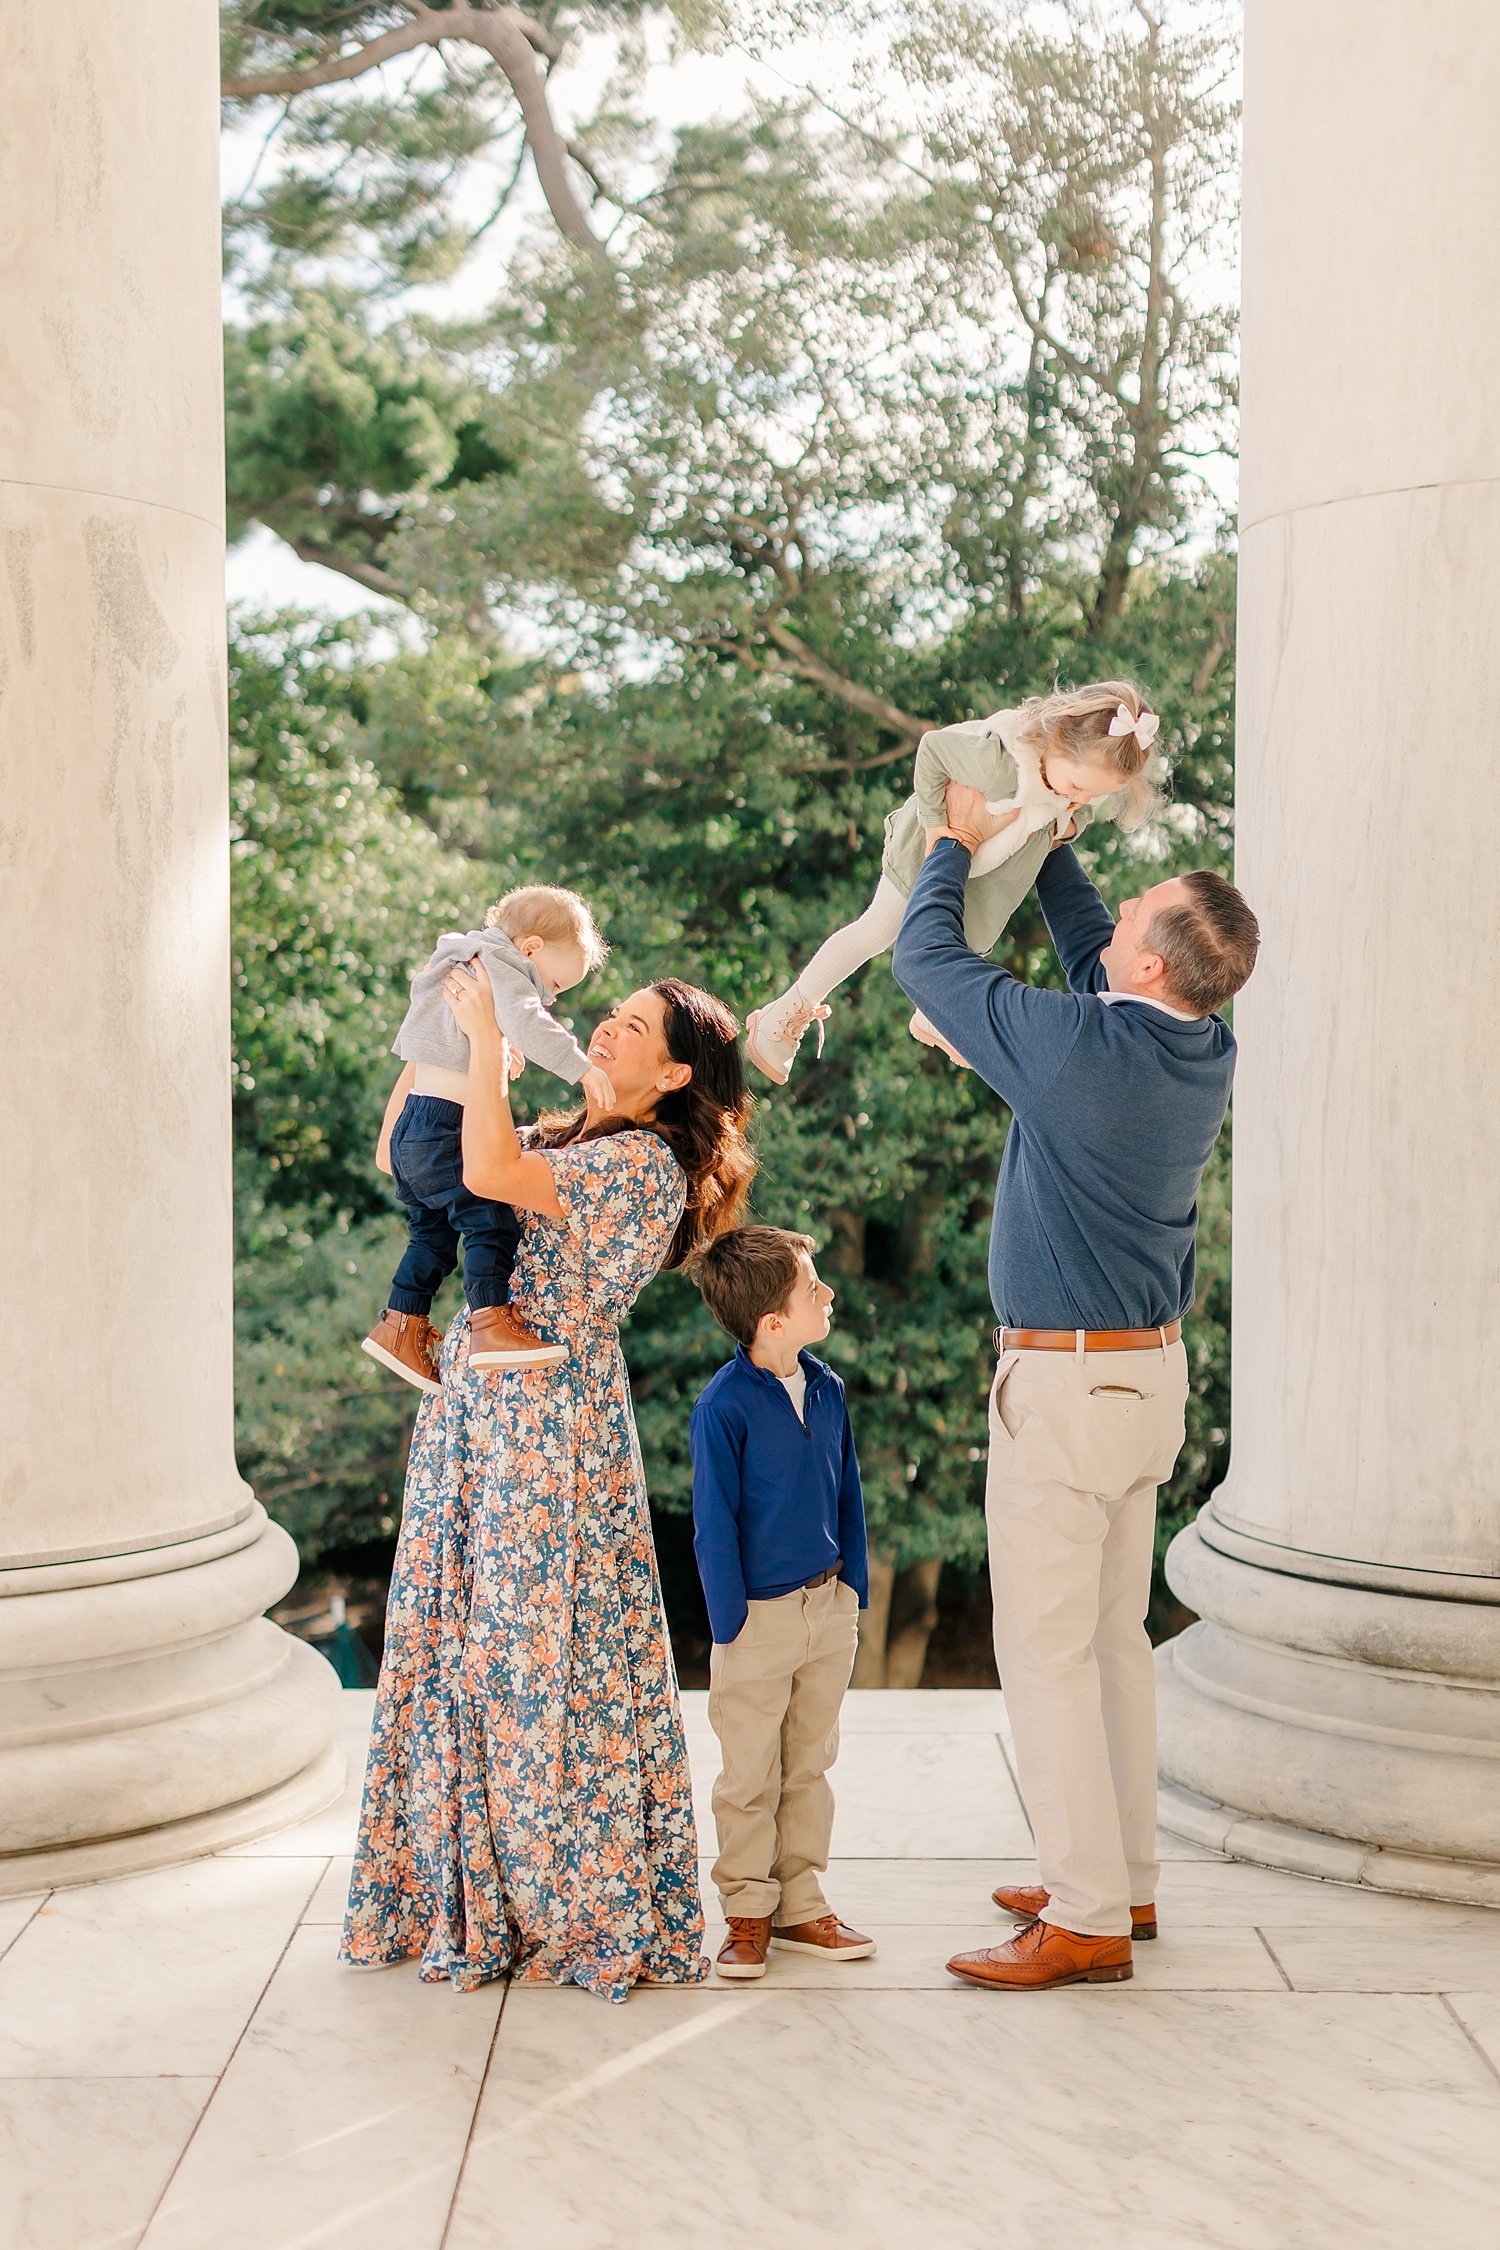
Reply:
x=1075, y=722
x=541, y=910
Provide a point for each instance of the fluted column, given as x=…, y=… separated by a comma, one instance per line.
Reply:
x=147, y=1709
x=1339, y=1705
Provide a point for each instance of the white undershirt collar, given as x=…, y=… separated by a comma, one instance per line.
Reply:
x=1182, y=1015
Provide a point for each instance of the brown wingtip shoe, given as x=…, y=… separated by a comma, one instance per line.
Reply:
x=1027, y=1900
x=499, y=1337
x=828, y=1936
x=407, y=1343
x=1044, y=1955
x=743, y=1953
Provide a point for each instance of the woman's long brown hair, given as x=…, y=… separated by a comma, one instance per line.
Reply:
x=703, y=1123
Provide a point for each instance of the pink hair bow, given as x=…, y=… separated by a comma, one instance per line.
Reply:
x=1143, y=728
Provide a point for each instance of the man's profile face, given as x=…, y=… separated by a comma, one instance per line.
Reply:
x=1126, y=948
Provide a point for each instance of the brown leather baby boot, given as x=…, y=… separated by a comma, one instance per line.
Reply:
x=406, y=1343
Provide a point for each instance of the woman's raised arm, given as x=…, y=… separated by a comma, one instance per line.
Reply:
x=495, y=1164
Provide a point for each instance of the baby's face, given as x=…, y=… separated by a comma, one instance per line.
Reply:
x=1081, y=780
x=560, y=962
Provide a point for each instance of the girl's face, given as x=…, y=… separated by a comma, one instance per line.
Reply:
x=1083, y=781
x=631, y=1046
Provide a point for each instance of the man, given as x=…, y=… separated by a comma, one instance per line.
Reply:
x=1117, y=1088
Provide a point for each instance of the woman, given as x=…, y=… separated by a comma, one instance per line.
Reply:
x=528, y=1807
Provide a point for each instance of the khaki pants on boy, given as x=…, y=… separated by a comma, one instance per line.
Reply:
x=1079, y=1443
x=774, y=1697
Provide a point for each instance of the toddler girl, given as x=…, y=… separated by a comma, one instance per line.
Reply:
x=1043, y=764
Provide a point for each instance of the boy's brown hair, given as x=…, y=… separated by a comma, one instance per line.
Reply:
x=749, y=1272
x=541, y=910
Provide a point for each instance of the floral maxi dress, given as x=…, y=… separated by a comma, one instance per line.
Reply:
x=527, y=1806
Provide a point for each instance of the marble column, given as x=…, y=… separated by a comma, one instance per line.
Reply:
x=147, y=1708
x=1338, y=1708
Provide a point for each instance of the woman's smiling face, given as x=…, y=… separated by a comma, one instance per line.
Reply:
x=631, y=1045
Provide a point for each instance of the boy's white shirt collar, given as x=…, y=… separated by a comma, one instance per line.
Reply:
x=1183, y=1015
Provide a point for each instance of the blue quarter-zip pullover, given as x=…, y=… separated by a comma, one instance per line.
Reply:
x=776, y=1497
x=1114, y=1107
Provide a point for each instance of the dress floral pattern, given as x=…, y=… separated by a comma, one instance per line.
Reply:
x=527, y=1807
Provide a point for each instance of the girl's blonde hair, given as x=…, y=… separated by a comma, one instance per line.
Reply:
x=541, y=910
x=1075, y=722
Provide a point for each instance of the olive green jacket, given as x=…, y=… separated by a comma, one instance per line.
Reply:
x=985, y=754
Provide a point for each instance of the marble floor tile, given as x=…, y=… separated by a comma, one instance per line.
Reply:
x=1479, y=2013
x=1179, y=1847
x=934, y=1891
x=15, y=1913
x=83, y=2160
x=334, y=1829
x=890, y=1711
x=331, y=1896
x=1215, y=1893
x=150, y=1976
x=1462, y=1955
x=911, y=1957
x=1108, y=2119
x=342, y=2119
x=942, y=1796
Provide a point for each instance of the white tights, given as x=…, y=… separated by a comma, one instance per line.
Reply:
x=858, y=942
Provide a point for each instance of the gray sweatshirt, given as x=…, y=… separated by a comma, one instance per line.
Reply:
x=523, y=1010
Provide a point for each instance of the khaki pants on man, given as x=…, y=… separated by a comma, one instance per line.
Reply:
x=1079, y=1443
x=774, y=1697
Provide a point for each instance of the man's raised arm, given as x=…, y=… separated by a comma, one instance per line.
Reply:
x=1015, y=1037
x=1079, y=923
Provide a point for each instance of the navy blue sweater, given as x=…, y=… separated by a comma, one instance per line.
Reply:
x=1115, y=1107
x=776, y=1498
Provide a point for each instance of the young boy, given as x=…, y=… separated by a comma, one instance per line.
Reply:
x=779, y=1532
x=535, y=944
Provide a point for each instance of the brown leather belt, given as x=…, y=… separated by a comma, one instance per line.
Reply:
x=822, y=1577
x=1087, y=1339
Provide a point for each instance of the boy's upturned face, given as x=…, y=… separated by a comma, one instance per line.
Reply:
x=560, y=962
x=808, y=1314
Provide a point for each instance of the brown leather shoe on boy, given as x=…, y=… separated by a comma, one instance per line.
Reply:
x=743, y=1953
x=499, y=1337
x=1044, y=1955
x=406, y=1343
x=827, y=1935
x=1026, y=1904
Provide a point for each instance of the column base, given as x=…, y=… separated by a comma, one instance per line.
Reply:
x=306, y=1793
x=149, y=1711
x=1332, y=1730
x=1334, y=1859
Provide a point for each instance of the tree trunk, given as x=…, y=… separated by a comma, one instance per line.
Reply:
x=896, y=1628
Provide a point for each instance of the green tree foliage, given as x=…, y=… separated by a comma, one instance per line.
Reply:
x=847, y=434
x=335, y=889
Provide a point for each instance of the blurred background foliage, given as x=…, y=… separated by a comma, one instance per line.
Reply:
x=774, y=437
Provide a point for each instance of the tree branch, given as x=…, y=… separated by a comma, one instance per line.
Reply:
x=366, y=574
x=808, y=665
x=511, y=39
x=333, y=66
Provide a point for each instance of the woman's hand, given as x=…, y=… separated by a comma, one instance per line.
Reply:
x=471, y=996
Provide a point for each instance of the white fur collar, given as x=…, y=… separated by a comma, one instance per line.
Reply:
x=1040, y=807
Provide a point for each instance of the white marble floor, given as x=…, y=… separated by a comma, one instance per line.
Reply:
x=1295, y=2066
